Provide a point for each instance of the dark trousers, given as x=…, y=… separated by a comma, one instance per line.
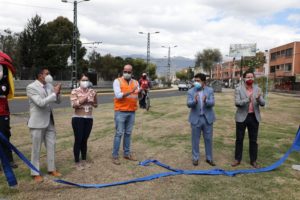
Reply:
x=82, y=128
x=143, y=100
x=252, y=126
x=5, y=129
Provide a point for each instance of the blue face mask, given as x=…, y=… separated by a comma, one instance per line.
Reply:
x=197, y=85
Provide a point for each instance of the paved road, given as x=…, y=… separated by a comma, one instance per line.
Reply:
x=21, y=105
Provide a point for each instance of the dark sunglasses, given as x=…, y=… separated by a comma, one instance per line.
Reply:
x=128, y=72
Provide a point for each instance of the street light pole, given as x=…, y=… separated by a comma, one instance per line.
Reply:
x=148, y=48
x=169, y=60
x=74, y=43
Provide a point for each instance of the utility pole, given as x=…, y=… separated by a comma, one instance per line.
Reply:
x=74, y=43
x=169, y=60
x=148, y=48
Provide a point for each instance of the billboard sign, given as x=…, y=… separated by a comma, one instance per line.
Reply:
x=239, y=50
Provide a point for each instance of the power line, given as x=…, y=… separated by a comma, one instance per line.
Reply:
x=34, y=6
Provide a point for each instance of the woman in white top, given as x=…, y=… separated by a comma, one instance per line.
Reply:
x=83, y=99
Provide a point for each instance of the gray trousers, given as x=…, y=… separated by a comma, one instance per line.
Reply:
x=48, y=136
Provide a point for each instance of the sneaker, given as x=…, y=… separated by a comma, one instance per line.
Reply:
x=116, y=161
x=79, y=166
x=38, y=178
x=130, y=157
x=55, y=173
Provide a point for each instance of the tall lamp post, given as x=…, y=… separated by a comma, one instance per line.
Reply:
x=169, y=60
x=74, y=43
x=148, y=48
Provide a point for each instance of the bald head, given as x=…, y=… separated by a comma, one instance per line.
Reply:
x=127, y=71
x=127, y=68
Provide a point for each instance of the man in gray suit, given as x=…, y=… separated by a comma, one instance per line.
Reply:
x=201, y=101
x=41, y=94
x=248, y=98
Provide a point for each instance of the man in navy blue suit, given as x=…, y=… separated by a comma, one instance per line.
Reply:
x=201, y=101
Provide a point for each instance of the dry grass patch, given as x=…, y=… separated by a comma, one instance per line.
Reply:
x=163, y=133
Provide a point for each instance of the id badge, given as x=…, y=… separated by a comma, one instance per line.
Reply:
x=86, y=109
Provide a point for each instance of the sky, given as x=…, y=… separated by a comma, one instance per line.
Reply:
x=192, y=25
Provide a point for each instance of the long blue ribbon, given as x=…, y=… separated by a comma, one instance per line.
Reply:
x=172, y=171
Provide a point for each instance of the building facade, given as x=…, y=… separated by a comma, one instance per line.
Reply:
x=285, y=66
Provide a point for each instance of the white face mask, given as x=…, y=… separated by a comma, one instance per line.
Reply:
x=84, y=84
x=127, y=76
x=1, y=72
x=48, y=79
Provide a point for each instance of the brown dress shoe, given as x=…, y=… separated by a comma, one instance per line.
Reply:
x=55, y=173
x=195, y=162
x=38, y=178
x=236, y=163
x=211, y=163
x=130, y=157
x=254, y=164
x=116, y=161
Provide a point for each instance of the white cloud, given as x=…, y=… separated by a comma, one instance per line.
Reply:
x=191, y=24
x=294, y=18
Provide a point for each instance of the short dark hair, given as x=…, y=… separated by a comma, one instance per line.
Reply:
x=248, y=72
x=82, y=75
x=201, y=76
x=39, y=71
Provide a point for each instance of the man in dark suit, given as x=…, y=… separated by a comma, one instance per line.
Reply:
x=201, y=101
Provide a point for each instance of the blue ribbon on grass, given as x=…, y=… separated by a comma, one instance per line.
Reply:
x=172, y=171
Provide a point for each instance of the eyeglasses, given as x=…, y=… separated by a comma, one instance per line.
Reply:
x=127, y=72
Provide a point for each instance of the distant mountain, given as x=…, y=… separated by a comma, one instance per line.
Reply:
x=177, y=63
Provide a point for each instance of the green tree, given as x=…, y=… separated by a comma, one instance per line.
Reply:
x=59, y=48
x=32, y=44
x=207, y=58
x=9, y=45
x=255, y=61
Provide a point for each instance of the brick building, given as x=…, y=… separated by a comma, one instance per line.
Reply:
x=285, y=66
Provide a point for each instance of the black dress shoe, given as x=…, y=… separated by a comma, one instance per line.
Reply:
x=195, y=162
x=211, y=163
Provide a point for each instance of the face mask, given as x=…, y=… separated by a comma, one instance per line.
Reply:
x=197, y=85
x=127, y=76
x=48, y=79
x=249, y=81
x=84, y=84
x=1, y=72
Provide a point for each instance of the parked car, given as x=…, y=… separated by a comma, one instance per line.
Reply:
x=183, y=86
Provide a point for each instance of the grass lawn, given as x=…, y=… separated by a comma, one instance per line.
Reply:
x=163, y=133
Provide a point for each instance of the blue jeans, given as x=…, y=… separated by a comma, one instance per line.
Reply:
x=124, y=122
x=207, y=130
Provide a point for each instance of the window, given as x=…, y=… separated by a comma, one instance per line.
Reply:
x=272, y=69
x=288, y=67
x=277, y=67
x=282, y=52
x=289, y=52
x=273, y=56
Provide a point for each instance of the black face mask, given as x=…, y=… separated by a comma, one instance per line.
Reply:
x=144, y=77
